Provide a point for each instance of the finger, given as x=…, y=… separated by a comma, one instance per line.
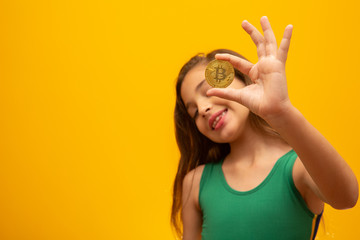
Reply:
x=270, y=40
x=256, y=36
x=285, y=44
x=226, y=93
x=243, y=65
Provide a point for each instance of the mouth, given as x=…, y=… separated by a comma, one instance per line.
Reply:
x=215, y=120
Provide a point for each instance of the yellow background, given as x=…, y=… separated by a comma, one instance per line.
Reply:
x=87, y=146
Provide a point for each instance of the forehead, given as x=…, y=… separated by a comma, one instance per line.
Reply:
x=191, y=80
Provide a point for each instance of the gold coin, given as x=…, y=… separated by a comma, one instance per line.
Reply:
x=219, y=73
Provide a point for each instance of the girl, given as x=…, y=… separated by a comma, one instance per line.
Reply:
x=251, y=166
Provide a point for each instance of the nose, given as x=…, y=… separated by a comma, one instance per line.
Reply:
x=204, y=108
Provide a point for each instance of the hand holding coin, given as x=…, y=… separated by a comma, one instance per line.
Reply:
x=219, y=73
x=267, y=96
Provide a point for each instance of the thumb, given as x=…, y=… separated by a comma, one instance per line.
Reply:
x=226, y=93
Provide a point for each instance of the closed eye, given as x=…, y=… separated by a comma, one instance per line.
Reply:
x=196, y=114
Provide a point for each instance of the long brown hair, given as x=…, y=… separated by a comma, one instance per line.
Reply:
x=195, y=148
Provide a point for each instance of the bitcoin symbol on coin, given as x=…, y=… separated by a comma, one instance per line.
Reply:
x=219, y=73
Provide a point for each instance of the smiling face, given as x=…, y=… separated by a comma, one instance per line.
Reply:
x=218, y=119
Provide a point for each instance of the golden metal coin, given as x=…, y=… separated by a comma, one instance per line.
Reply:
x=219, y=73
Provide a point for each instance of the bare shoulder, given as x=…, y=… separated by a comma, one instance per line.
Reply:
x=191, y=184
x=191, y=213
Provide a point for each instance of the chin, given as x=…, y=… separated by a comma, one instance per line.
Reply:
x=224, y=138
x=228, y=135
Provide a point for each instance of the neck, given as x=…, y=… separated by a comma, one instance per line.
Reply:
x=254, y=146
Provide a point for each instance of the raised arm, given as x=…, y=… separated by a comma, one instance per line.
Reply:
x=332, y=175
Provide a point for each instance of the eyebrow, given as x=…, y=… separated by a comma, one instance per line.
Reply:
x=196, y=89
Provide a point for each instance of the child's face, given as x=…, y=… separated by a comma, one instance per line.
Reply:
x=220, y=120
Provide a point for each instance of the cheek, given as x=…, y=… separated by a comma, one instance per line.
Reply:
x=201, y=126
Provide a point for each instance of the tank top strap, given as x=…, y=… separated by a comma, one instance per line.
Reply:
x=288, y=172
x=208, y=175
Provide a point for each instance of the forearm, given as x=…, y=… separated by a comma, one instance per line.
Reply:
x=332, y=175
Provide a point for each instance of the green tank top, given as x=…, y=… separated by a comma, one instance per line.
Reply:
x=272, y=210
